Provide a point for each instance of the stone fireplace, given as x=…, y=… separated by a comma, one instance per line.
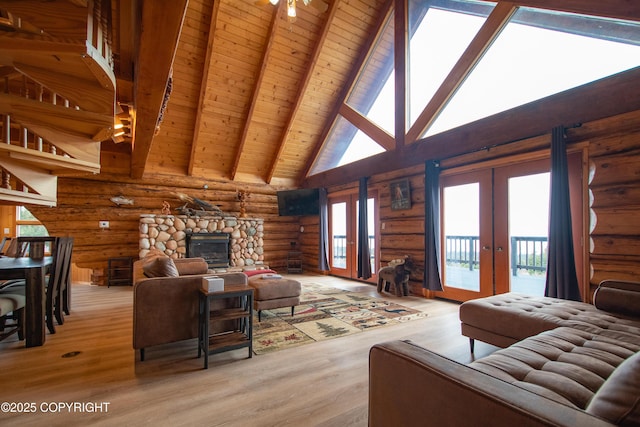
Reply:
x=168, y=233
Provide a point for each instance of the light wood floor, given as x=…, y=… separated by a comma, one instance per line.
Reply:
x=320, y=384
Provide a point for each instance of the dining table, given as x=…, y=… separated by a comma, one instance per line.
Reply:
x=33, y=271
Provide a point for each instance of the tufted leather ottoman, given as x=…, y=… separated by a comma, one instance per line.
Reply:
x=505, y=319
x=274, y=293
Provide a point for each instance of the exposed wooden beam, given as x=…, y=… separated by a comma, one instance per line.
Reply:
x=618, y=9
x=204, y=86
x=346, y=89
x=604, y=98
x=266, y=54
x=400, y=43
x=372, y=130
x=160, y=31
x=471, y=56
x=303, y=89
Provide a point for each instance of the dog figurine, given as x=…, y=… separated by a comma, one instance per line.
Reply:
x=396, y=273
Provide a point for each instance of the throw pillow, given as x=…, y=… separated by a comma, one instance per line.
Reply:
x=191, y=266
x=159, y=266
x=617, y=400
x=619, y=301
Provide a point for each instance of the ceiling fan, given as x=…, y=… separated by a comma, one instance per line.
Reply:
x=321, y=5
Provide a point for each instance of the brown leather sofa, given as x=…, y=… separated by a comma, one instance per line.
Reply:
x=581, y=367
x=165, y=307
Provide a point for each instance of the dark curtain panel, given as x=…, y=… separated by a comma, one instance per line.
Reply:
x=432, y=280
x=323, y=253
x=562, y=279
x=364, y=254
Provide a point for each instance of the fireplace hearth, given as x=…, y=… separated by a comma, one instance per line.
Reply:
x=213, y=247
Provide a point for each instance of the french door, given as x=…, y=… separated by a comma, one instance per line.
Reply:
x=343, y=235
x=495, y=226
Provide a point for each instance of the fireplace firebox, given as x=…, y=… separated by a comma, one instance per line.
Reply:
x=213, y=247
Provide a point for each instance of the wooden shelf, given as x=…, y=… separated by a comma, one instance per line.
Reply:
x=241, y=337
x=120, y=271
x=294, y=262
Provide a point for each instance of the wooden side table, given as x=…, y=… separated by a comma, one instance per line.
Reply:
x=241, y=336
x=120, y=271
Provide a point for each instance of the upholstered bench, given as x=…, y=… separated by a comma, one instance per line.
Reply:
x=505, y=319
x=272, y=293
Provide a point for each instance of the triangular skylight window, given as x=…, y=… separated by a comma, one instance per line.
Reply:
x=345, y=144
x=540, y=53
x=440, y=32
x=373, y=93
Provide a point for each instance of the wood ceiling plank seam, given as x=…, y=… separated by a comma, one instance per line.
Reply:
x=303, y=87
x=346, y=88
x=482, y=41
x=161, y=23
x=240, y=41
x=204, y=87
x=273, y=27
x=359, y=9
x=346, y=42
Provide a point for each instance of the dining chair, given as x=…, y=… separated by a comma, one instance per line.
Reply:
x=56, y=275
x=12, y=307
x=5, y=242
x=57, y=272
x=23, y=246
x=62, y=293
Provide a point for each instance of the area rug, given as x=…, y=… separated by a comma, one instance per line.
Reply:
x=325, y=313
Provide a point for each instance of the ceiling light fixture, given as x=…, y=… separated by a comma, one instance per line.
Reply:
x=322, y=6
x=291, y=9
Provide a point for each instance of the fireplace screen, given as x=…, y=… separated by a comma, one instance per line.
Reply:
x=213, y=247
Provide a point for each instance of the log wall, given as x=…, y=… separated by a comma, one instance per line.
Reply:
x=84, y=201
x=614, y=198
x=614, y=206
x=614, y=194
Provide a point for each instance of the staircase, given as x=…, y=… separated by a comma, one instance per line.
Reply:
x=57, y=94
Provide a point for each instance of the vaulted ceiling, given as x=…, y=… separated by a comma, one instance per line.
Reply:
x=232, y=89
x=252, y=91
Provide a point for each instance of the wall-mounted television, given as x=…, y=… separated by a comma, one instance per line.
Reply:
x=305, y=201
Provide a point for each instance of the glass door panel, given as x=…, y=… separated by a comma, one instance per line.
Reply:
x=340, y=246
x=528, y=230
x=467, y=235
x=461, y=235
x=343, y=226
x=521, y=210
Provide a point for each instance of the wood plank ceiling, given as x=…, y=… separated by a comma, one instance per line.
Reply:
x=252, y=91
x=253, y=95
